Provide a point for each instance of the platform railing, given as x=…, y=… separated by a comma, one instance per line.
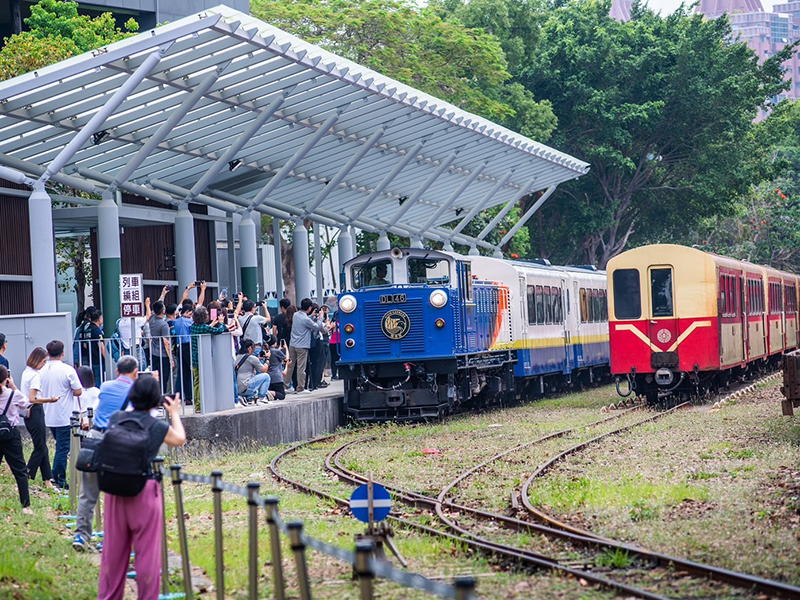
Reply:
x=365, y=567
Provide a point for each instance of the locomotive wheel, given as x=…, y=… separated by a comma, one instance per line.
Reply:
x=652, y=397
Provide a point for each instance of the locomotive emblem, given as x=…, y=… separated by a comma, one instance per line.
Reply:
x=395, y=324
x=664, y=335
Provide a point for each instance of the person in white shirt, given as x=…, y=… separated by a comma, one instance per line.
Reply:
x=90, y=396
x=59, y=379
x=12, y=404
x=29, y=386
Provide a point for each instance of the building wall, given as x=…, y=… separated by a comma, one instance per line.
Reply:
x=15, y=259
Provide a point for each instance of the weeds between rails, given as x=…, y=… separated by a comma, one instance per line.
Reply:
x=559, y=529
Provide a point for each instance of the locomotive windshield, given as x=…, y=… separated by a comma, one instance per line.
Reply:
x=372, y=273
x=428, y=271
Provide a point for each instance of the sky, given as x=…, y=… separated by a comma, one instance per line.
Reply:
x=667, y=6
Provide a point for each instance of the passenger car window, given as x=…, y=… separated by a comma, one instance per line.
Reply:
x=531, y=306
x=661, y=292
x=539, y=305
x=627, y=294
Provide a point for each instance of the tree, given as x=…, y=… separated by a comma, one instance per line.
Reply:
x=662, y=109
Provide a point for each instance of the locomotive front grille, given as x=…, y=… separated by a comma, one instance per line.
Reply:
x=378, y=343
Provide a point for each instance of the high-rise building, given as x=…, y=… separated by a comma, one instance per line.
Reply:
x=765, y=32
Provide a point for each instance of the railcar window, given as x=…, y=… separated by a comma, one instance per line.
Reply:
x=592, y=305
x=584, y=306
x=372, y=273
x=661, y=292
x=723, y=306
x=605, y=304
x=428, y=271
x=531, y=306
x=627, y=294
x=539, y=305
x=559, y=306
x=548, y=306
x=568, y=308
x=598, y=314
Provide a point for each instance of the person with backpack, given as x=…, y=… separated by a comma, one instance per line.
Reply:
x=253, y=324
x=134, y=511
x=111, y=398
x=12, y=406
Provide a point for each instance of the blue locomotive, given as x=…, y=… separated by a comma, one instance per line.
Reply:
x=424, y=332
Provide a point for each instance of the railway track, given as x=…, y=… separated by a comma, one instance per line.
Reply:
x=453, y=516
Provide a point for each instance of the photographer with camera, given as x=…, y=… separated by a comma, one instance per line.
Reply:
x=278, y=366
x=304, y=325
x=253, y=324
x=252, y=377
x=13, y=406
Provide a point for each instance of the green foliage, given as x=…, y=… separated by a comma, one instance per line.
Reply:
x=615, y=559
x=57, y=32
x=662, y=108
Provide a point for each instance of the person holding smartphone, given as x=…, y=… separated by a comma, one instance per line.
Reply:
x=29, y=386
x=12, y=404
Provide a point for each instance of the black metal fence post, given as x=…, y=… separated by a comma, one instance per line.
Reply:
x=218, y=549
x=275, y=545
x=299, y=550
x=184, y=543
x=465, y=588
x=252, y=490
x=158, y=465
x=364, y=571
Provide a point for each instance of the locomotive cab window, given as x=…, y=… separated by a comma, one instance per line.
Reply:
x=661, y=292
x=627, y=294
x=372, y=273
x=428, y=271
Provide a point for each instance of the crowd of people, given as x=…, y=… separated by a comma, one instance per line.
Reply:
x=294, y=352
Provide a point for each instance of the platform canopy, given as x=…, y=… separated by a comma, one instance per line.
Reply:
x=222, y=109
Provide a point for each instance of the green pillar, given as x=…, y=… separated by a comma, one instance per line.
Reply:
x=248, y=256
x=108, y=249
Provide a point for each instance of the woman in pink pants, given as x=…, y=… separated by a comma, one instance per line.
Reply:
x=136, y=521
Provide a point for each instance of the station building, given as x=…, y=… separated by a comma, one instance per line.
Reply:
x=169, y=144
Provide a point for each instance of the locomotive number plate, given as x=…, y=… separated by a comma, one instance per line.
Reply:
x=393, y=298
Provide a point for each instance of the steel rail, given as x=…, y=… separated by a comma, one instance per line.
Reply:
x=522, y=555
x=580, y=537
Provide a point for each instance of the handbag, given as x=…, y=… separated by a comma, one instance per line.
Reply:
x=6, y=428
x=87, y=457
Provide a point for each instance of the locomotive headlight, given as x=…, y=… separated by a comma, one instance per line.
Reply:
x=347, y=304
x=350, y=342
x=438, y=298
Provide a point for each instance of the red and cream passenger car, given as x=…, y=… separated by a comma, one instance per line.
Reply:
x=684, y=320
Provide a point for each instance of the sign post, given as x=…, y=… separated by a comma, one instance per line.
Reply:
x=371, y=504
x=132, y=303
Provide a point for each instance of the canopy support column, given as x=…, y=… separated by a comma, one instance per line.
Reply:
x=108, y=250
x=416, y=242
x=43, y=250
x=248, y=256
x=383, y=242
x=302, y=274
x=528, y=214
x=319, y=282
x=185, y=261
x=276, y=244
x=345, y=246
x=229, y=235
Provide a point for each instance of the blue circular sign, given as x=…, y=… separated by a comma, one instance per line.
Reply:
x=381, y=503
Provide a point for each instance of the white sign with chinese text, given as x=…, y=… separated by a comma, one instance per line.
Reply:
x=131, y=295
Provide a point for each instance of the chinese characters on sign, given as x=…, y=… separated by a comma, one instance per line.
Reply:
x=131, y=295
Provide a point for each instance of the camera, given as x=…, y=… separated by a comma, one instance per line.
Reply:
x=199, y=282
x=224, y=293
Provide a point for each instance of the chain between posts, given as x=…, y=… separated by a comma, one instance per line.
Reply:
x=367, y=568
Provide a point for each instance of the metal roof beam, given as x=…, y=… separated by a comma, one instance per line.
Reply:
x=505, y=210
x=483, y=202
x=296, y=158
x=37, y=170
x=410, y=155
x=342, y=173
x=164, y=130
x=101, y=115
x=454, y=196
x=443, y=166
x=528, y=214
x=234, y=148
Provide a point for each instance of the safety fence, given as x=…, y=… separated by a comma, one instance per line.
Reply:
x=366, y=568
x=209, y=377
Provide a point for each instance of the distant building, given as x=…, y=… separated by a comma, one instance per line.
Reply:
x=148, y=13
x=765, y=32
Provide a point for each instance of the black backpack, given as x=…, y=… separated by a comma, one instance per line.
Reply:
x=123, y=466
x=6, y=428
